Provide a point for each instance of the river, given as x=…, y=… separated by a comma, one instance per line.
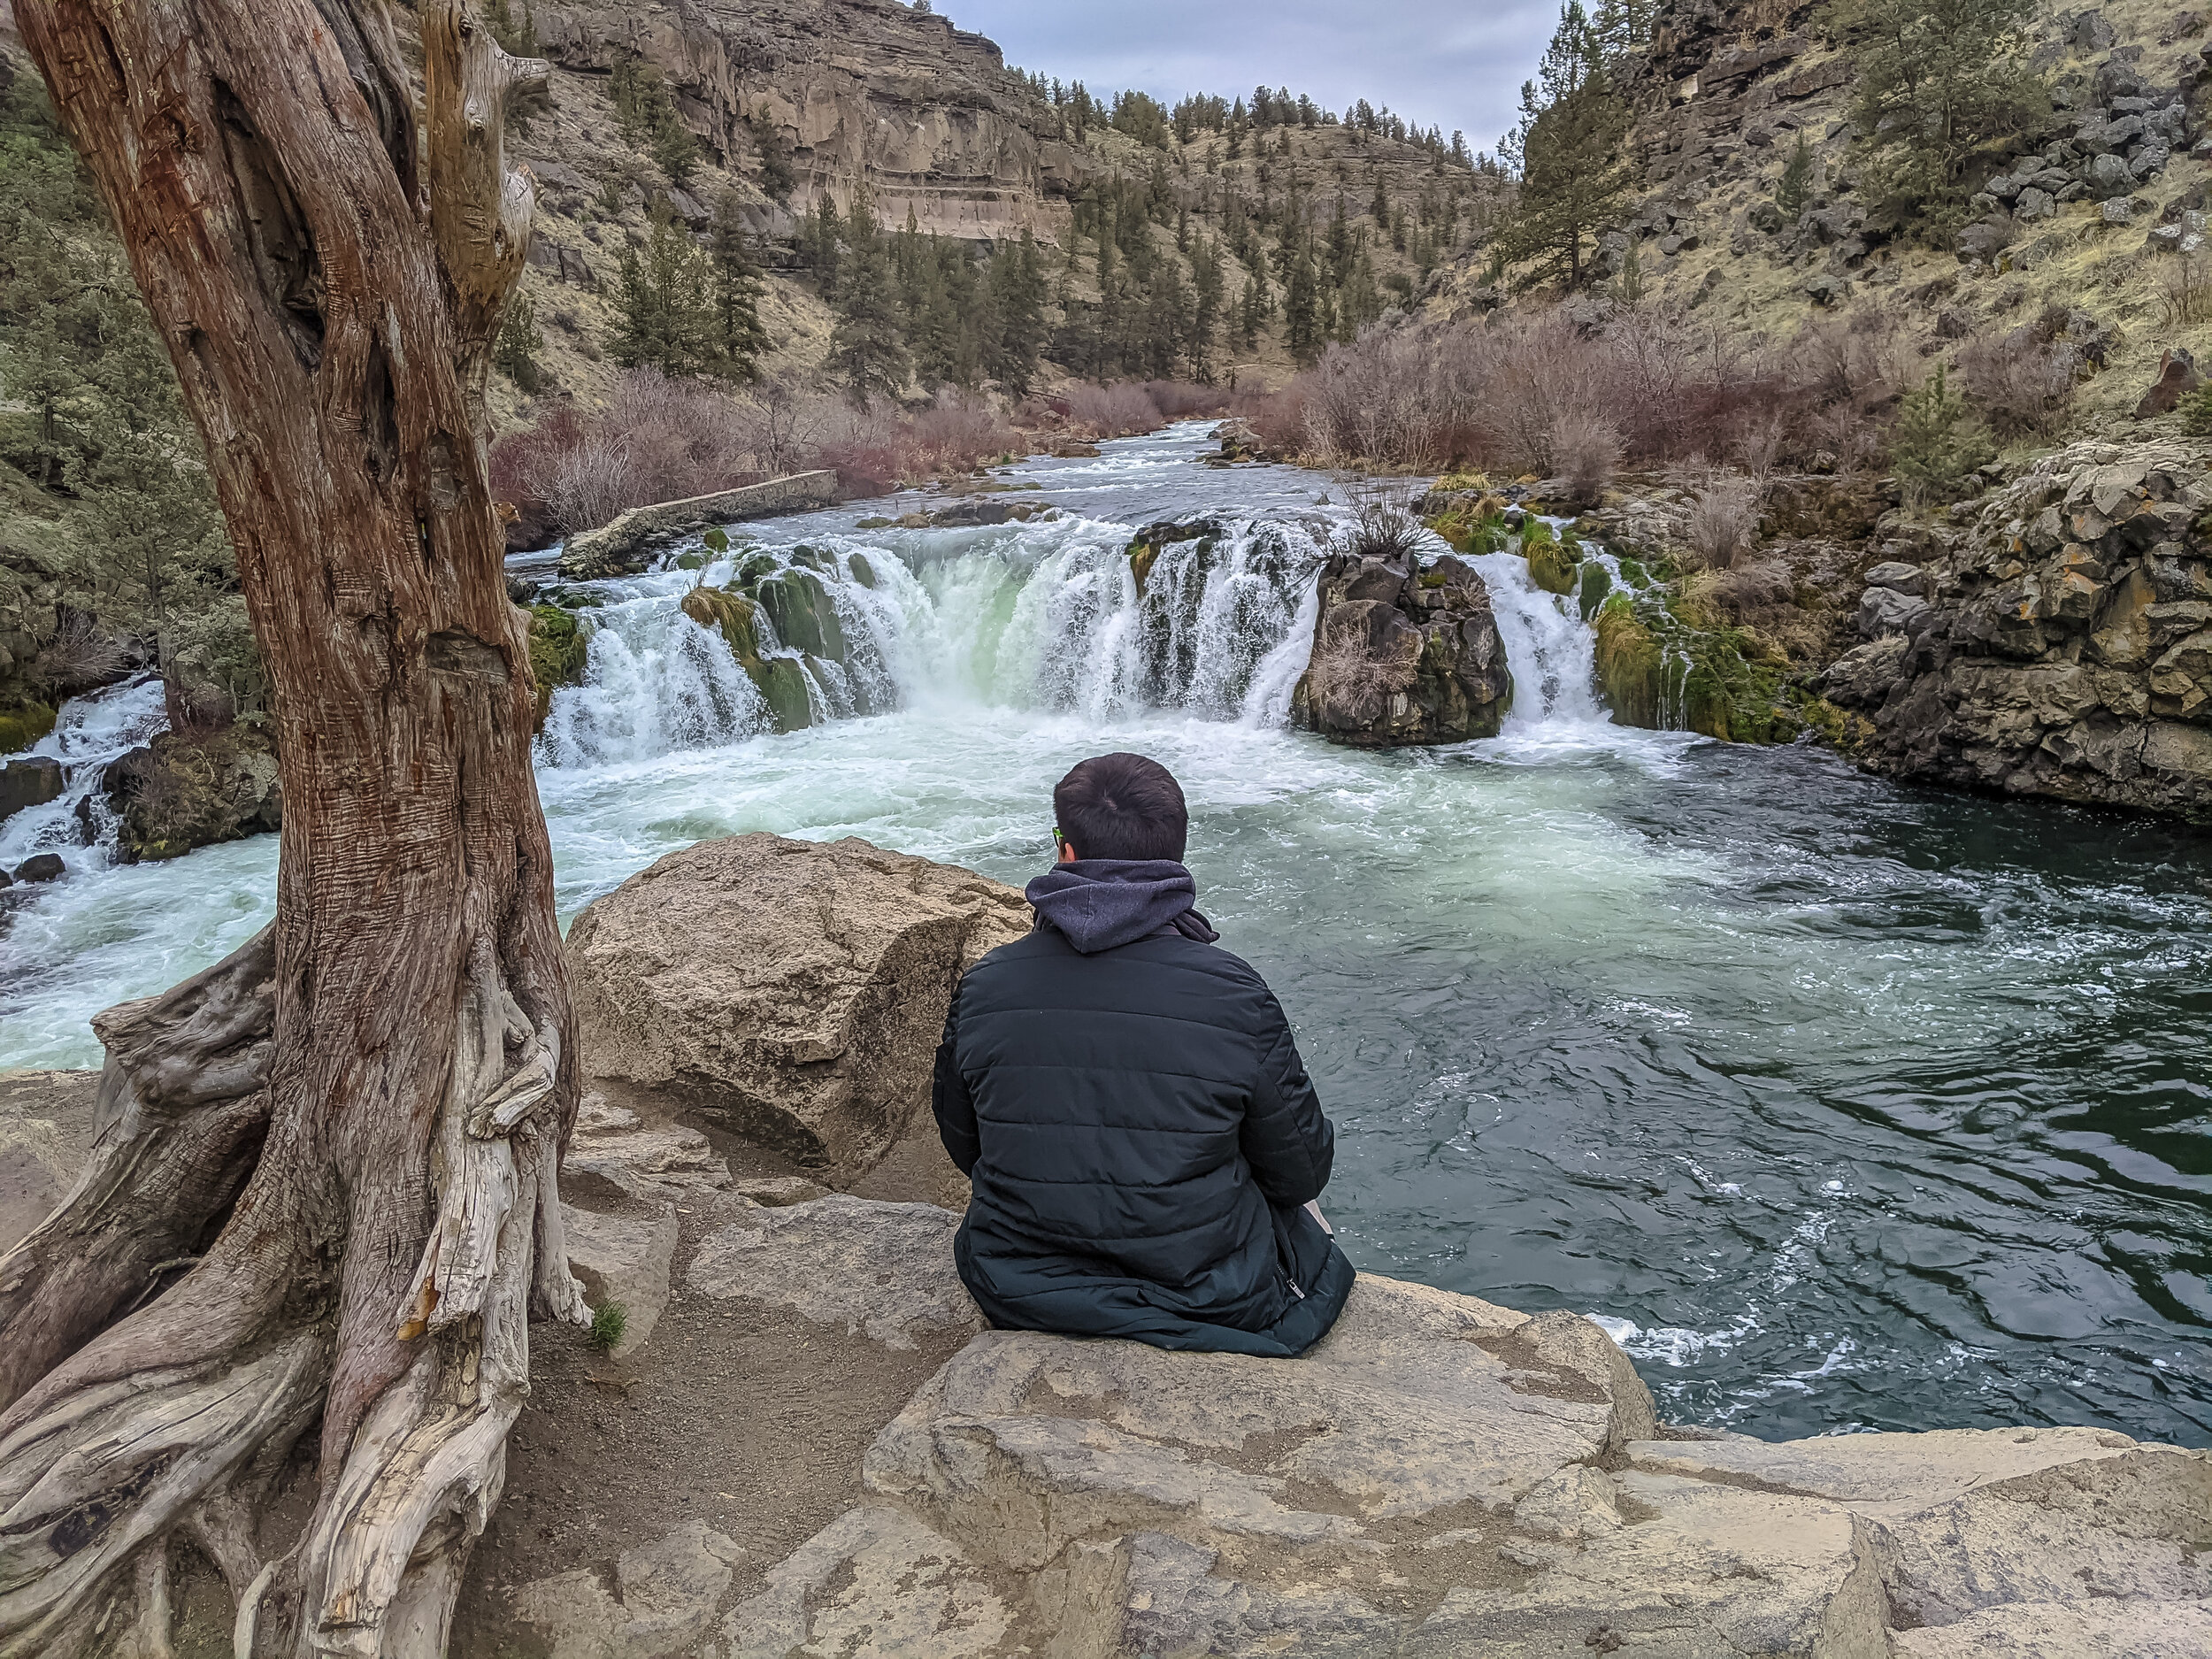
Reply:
x=1842, y=1106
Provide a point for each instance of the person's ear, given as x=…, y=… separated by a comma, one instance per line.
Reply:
x=1067, y=851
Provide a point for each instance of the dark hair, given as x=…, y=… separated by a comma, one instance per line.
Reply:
x=1122, y=806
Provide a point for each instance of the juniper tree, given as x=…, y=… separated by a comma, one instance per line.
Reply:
x=324, y=1208
x=1796, y=186
x=740, y=339
x=1569, y=144
x=1940, y=82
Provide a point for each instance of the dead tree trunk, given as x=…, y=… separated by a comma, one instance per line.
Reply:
x=324, y=1189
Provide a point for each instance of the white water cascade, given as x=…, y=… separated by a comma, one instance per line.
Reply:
x=1046, y=616
x=91, y=732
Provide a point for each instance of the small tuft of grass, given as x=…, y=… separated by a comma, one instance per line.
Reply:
x=608, y=1323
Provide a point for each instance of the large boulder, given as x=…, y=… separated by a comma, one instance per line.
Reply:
x=1440, y=1477
x=794, y=990
x=30, y=782
x=1403, y=653
x=186, y=790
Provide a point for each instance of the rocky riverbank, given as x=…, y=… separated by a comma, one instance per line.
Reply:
x=801, y=1440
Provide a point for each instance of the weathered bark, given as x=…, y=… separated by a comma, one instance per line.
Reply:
x=366, y=1107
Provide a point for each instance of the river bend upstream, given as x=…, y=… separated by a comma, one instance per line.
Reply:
x=1841, y=1106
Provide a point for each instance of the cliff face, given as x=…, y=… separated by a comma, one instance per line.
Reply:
x=2063, y=647
x=927, y=115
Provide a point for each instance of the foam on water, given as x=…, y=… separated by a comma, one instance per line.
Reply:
x=1844, y=1106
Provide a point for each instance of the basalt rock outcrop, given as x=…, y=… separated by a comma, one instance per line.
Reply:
x=792, y=991
x=1404, y=653
x=2061, y=647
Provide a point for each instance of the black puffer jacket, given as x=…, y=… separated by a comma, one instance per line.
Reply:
x=1143, y=1137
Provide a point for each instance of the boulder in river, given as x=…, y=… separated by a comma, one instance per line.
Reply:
x=1403, y=653
x=41, y=867
x=791, y=990
x=187, y=789
x=31, y=782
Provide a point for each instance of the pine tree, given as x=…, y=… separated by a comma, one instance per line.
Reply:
x=1569, y=143
x=1937, y=442
x=515, y=350
x=665, y=301
x=777, y=178
x=866, y=349
x=1301, y=308
x=1207, y=284
x=1796, y=187
x=1017, y=283
x=740, y=339
x=1378, y=210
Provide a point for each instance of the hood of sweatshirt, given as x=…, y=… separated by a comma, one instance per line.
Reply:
x=1098, y=903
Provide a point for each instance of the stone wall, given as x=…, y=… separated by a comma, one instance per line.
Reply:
x=617, y=547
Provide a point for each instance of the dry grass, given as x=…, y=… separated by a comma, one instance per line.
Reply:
x=1346, y=676
x=1723, y=520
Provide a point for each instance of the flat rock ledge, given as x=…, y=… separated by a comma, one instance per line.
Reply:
x=1439, y=1476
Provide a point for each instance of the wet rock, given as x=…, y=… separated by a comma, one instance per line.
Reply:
x=1403, y=654
x=32, y=782
x=559, y=651
x=1861, y=678
x=2061, y=655
x=1884, y=610
x=186, y=790
x=41, y=867
x=795, y=990
x=658, y=1600
x=883, y=1269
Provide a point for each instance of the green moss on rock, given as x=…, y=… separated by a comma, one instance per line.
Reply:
x=1630, y=664
x=24, y=725
x=798, y=604
x=864, y=573
x=1551, y=566
x=558, y=652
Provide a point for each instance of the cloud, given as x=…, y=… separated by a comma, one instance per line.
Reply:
x=1439, y=63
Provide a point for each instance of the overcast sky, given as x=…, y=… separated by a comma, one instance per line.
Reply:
x=1454, y=64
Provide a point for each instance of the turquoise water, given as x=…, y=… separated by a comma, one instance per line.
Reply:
x=1842, y=1105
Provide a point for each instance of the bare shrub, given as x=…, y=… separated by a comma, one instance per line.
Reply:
x=1723, y=518
x=779, y=420
x=1278, y=418
x=2024, y=382
x=1118, y=411
x=589, y=483
x=2185, y=285
x=1186, y=400
x=81, y=655
x=1383, y=528
x=1347, y=674
x=957, y=432
x=1585, y=450
x=1743, y=592
x=657, y=440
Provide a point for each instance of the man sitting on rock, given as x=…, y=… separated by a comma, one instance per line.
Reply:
x=1125, y=1094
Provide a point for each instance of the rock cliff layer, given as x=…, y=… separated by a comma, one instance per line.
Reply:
x=2063, y=647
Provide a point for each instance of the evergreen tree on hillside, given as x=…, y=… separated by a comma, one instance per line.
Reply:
x=1017, y=297
x=1569, y=142
x=665, y=299
x=1796, y=186
x=866, y=349
x=1302, y=307
x=1940, y=82
x=740, y=340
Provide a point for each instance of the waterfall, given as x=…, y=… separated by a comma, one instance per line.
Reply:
x=1051, y=615
x=1551, y=649
x=90, y=732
